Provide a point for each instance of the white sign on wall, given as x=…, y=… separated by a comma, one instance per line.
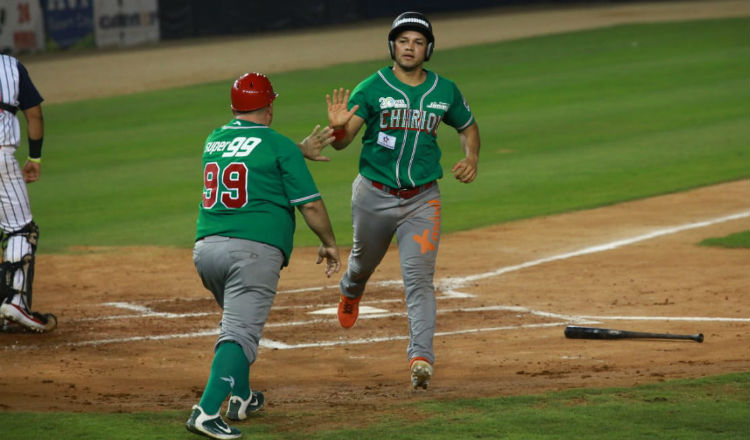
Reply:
x=125, y=22
x=21, y=26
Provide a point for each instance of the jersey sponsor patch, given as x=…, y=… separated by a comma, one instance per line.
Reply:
x=439, y=106
x=386, y=141
x=390, y=102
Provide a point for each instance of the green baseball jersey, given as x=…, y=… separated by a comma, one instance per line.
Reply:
x=399, y=145
x=253, y=177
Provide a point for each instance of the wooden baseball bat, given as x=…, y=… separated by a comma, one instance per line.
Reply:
x=575, y=332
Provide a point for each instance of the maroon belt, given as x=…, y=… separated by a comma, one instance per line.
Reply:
x=404, y=193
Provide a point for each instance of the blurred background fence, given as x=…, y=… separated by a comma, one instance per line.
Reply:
x=54, y=25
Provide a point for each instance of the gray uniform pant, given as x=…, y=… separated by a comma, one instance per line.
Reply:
x=376, y=217
x=243, y=276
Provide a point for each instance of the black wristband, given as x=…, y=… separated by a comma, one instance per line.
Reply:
x=35, y=148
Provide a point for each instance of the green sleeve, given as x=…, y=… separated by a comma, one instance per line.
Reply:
x=359, y=96
x=298, y=182
x=459, y=114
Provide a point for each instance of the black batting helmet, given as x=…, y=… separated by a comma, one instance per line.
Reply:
x=412, y=21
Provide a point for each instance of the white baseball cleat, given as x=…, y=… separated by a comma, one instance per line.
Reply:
x=421, y=373
x=239, y=409
x=31, y=320
x=211, y=426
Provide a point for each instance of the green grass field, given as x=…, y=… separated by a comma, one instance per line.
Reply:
x=740, y=240
x=568, y=122
x=709, y=408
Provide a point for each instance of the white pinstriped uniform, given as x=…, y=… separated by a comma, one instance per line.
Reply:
x=15, y=208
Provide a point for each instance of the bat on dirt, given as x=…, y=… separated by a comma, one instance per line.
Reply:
x=575, y=332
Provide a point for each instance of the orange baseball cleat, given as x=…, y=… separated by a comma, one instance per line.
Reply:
x=348, y=311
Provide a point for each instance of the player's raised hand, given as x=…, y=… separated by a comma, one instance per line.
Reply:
x=331, y=255
x=312, y=145
x=338, y=115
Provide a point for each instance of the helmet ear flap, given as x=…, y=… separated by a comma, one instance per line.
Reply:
x=392, y=49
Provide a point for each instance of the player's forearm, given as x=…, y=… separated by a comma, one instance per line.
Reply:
x=470, y=142
x=344, y=135
x=341, y=144
x=316, y=217
x=34, y=122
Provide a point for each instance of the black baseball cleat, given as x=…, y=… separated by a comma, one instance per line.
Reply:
x=239, y=409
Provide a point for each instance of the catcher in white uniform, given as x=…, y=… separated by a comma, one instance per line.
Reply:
x=18, y=232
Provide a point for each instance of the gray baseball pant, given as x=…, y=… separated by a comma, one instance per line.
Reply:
x=243, y=276
x=376, y=217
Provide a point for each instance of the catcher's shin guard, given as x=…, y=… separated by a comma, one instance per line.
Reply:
x=17, y=271
x=6, y=280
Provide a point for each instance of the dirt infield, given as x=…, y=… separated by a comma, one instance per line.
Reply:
x=137, y=328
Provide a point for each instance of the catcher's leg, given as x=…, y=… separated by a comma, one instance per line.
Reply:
x=19, y=252
x=17, y=278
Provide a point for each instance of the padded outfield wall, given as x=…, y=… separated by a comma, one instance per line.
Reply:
x=197, y=18
x=60, y=25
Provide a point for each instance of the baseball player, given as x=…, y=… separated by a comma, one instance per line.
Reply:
x=396, y=191
x=18, y=231
x=253, y=178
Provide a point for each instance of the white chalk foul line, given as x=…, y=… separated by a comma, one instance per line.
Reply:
x=453, y=283
x=665, y=318
x=448, y=284
x=96, y=342
x=269, y=343
x=142, y=312
x=282, y=346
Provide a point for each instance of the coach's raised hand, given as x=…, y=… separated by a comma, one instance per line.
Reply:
x=312, y=145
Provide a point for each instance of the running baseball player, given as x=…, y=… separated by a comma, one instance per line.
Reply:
x=253, y=178
x=396, y=191
x=18, y=231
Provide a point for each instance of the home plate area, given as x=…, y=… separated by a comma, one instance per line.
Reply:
x=300, y=318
